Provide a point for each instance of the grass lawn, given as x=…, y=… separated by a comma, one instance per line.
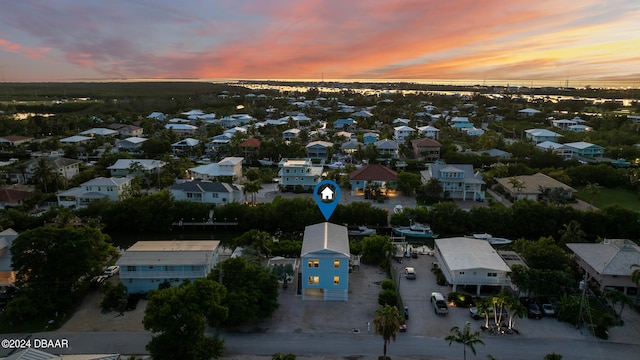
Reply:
x=606, y=197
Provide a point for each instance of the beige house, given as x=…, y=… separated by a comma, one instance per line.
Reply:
x=533, y=187
x=608, y=263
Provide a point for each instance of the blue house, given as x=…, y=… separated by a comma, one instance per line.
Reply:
x=325, y=262
x=147, y=264
x=369, y=138
x=345, y=124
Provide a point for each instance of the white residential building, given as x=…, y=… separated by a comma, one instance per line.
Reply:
x=298, y=174
x=147, y=264
x=466, y=261
x=95, y=189
x=227, y=167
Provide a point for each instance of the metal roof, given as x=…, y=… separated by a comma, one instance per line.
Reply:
x=169, y=252
x=325, y=237
x=611, y=257
x=462, y=253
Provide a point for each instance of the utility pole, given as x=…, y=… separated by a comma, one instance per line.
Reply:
x=583, y=284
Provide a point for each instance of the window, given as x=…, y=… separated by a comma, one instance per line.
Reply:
x=214, y=195
x=492, y=274
x=314, y=280
x=336, y=280
x=168, y=268
x=286, y=171
x=461, y=273
x=150, y=267
x=131, y=268
x=314, y=263
x=336, y=263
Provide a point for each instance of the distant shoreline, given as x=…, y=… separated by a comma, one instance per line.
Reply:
x=514, y=83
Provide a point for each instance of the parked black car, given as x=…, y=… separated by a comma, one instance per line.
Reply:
x=533, y=311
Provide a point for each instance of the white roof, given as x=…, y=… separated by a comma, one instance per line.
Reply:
x=187, y=142
x=169, y=252
x=135, y=140
x=403, y=128
x=611, y=257
x=125, y=164
x=542, y=132
x=581, y=145
x=102, y=181
x=75, y=139
x=462, y=253
x=325, y=237
x=231, y=160
x=529, y=111
x=549, y=145
x=320, y=143
x=99, y=131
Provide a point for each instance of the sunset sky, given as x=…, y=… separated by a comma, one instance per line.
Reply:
x=66, y=40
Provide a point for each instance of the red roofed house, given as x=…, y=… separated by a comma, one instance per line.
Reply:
x=12, y=197
x=250, y=148
x=374, y=174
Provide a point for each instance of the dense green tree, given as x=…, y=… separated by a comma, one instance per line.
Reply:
x=408, y=182
x=252, y=290
x=176, y=316
x=41, y=259
x=542, y=254
x=465, y=337
x=387, y=324
x=376, y=250
x=260, y=241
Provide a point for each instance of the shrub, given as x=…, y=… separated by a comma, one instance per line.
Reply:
x=388, y=297
x=388, y=284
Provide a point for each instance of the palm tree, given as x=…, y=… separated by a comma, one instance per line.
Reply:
x=387, y=323
x=44, y=173
x=615, y=297
x=572, y=233
x=433, y=188
x=517, y=185
x=465, y=337
x=252, y=187
x=635, y=277
x=482, y=307
x=516, y=309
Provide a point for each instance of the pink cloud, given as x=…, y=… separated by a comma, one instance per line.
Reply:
x=30, y=52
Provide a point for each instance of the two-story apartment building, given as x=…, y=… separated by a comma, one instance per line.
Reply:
x=207, y=192
x=95, y=189
x=537, y=136
x=319, y=150
x=325, y=262
x=426, y=148
x=130, y=144
x=386, y=148
x=147, y=264
x=457, y=181
x=401, y=133
x=227, y=167
x=298, y=174
x=65, y=167
x=429, y=131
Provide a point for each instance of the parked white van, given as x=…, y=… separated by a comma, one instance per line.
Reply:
x=439, y=303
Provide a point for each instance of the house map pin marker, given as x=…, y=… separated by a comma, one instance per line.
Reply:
x=327, y=194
